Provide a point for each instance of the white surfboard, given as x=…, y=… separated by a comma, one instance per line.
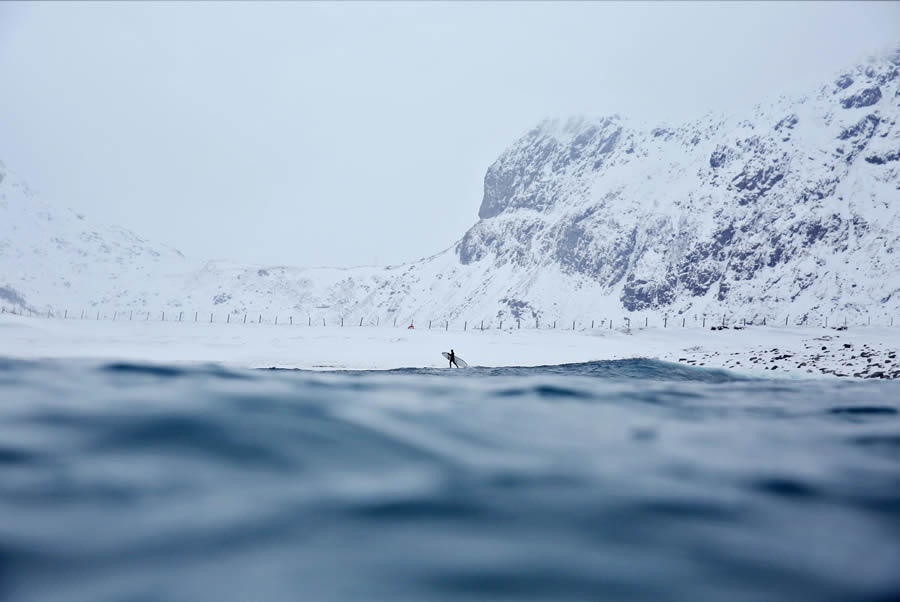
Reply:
x=459, y=361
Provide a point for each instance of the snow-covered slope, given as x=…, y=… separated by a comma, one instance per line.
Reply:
x=792, y=209
x=56, y=258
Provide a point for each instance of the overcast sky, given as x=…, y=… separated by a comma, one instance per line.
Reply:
x=359, y=133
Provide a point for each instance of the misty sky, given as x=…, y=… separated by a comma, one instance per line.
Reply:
x=359, y=133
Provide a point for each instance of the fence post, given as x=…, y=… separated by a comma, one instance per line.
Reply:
x=482, y=325
x=704, y=321
x=429, y=324
x=377, y=320
x=260, y=319
x=395, y=322
x=465, y=326
x=291, y=318
x=323, y=321
x=592, y=324
x=210, y=317
x=826, y=321
x=245, y=318
x=65, y=316
x=786, y=319
x=573, y=324
x=98, y=315
x=180, y=316
x=764, y=320
x=536, y=323
x=554, y=324
x=360, y=323
x=276, y=320
x=501, y=324
x=519, y=324
x=665, y=322
x=610, y=324
x=196, y=314
x=646, y=321
x=682, y=322
x=342, y=322
x=115, y=313
x=446, y=325
x=228, y=318
x=723, y=320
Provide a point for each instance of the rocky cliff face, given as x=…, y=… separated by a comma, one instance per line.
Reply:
x=797, y=203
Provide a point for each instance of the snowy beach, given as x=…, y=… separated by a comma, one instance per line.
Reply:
x=861, y=352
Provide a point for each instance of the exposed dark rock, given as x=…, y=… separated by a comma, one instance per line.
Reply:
x=787, y=123
x=8, y=293
x=884, y=158
x=756, y=182
x=843, y=82
x=607, y=145
x=519, y=309
x=720, y=156
x=639, y=294
x=474, y=245
x=865, y=98
x=864, y=129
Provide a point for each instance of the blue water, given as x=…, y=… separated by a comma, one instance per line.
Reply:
x=627, y=480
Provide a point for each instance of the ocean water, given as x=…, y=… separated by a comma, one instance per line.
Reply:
x=625, y=480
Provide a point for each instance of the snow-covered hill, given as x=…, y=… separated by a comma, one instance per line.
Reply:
x=792, y=209
x=56, y=258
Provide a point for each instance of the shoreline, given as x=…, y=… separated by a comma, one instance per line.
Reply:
x=823, y=355
x=863, y=352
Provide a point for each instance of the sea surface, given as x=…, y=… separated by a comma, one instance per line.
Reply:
x=622, y=480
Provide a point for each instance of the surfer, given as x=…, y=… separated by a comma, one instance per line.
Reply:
x=452, y=359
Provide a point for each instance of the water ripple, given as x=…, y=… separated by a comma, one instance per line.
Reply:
x=627, y=480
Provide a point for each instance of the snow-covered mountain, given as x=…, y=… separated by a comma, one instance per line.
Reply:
x=792, y=209
x=52, y=258
x=795, y=205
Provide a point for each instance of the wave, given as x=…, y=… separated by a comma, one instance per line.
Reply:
x=603, y=480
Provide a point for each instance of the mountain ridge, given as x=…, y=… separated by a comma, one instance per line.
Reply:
x=791, y=208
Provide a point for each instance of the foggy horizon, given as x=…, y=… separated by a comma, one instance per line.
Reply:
x=359, y=134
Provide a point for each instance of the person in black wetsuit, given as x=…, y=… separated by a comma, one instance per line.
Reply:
x=453, y=360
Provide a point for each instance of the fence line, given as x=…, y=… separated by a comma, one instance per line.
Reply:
x=716, y=322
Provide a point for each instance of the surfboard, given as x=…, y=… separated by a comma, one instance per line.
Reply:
x=459, y=361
